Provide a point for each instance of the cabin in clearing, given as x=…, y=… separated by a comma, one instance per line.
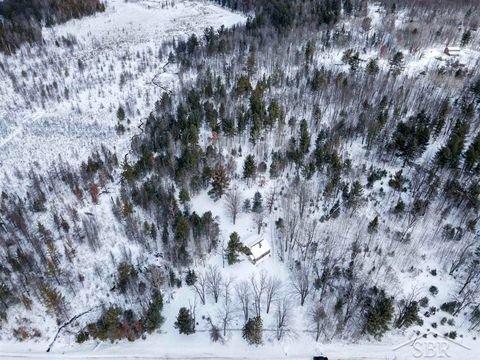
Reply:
x=259, y=251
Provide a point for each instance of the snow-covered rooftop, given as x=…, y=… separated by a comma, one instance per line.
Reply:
x=259, y=250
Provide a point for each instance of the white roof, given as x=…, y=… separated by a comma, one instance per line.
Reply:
x=259, y=248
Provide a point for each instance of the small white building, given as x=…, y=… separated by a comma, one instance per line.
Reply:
x=452, y=51
x=259, y=251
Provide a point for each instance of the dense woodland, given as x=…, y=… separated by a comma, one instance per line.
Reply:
x=363, y=170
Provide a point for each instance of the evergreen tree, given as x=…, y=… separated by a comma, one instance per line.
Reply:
x=191, y=277
x=153, y=319
x=442, y=116
x=351, y=58
x=411, y=138
x=120, y=113
x=220, y=183
x=373, y=225
x=372, y=67
x=309, y=51
x=251, y=62
x=397, y=63
x=317, y=81
x=246, y=207
x=183, y=196
x=408, y=314
x=466, y=37
x=249, y=167
x=185, y=322
x=243, y=85
x=257, y=205
x=399, y=207
x=234, y=247
x=378, y=312
x=252, y=331
x=304, y=142
x=449, y=154
x=353, y=197
x=472, y=155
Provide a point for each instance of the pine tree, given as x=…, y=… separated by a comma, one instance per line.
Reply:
x=233, y=248
x=154, y=319
x=399, y=207
x=191, y=277
x=373, y=225
x=372, y=67
x=251, y=62
x=379, y=311
x=246, y=207
x=304, y=141
x=185, y=322
x=411, y=138
x=243, y=85
x=472, y=155
x=153, y=231
x=442, y=116
x=5, y=295
x=252, y=331
x=397, y=63
x=257, y=205
x=466, y=37
x=220, y=183
x=353, y=197
x=183, y=196
x=309, y=51
x=449, y=154
x=408, y=314
x=317, y=81
x=249, y=167
x=52, y=299
x=120, y=113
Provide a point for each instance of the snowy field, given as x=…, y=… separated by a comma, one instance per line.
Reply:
x=39, y=124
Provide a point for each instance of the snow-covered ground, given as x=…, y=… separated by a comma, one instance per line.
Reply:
x=37, y=125
x=120, y=55
x=197, y=346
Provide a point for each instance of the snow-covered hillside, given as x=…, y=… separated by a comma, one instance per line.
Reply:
x=145, y=149
x=61, y=101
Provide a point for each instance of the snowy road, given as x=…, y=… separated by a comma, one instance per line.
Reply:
x=166, y=357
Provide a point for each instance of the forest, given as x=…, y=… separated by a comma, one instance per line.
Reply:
x=315, y=125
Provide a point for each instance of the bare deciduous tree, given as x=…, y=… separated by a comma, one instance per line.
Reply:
x=244, y=295
x=302, y=198
x=301, y=283
x=282, y=317
x=233, y=203
x=317, y=317
x=272, y=289
x=271, y=198
x=214, y=281
x=258, y=218
x=258, y=286
x=201, y=286
x=226, y=312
